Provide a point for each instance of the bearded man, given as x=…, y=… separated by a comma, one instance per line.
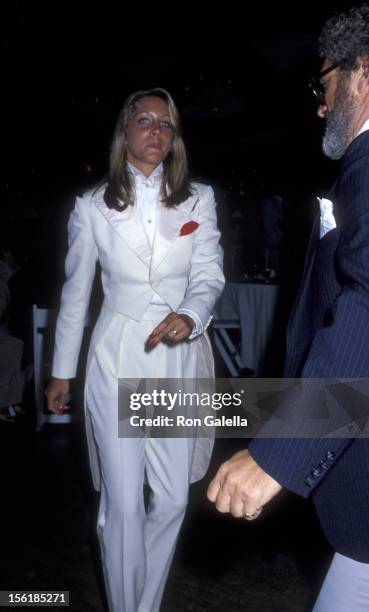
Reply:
x=327, y=337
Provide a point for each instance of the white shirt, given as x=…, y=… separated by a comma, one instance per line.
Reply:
x=147, y=199
x=148, y=202
x=364, y=127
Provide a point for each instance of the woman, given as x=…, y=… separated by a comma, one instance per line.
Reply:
x=156, y=238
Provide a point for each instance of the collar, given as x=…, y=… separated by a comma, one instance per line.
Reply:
x=153, y=180
x=364, y=127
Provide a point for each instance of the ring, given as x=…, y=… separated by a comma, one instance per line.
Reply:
x=252, y=517
x=173, y=332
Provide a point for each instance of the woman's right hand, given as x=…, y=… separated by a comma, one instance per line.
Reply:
x=57, y=394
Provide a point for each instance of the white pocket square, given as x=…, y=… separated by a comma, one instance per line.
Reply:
x=327, y=220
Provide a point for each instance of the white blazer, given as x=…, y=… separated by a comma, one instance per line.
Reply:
x=185, y=270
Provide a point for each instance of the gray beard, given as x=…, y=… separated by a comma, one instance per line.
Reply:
x=338, y=132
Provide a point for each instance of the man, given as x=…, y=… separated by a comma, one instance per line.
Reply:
x=328, y=335
x=11, y=348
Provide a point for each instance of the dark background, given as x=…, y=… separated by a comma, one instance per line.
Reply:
x=238, y=72
x=239, y=75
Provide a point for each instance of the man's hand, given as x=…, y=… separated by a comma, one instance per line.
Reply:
x=174, y=328
x=241, y=486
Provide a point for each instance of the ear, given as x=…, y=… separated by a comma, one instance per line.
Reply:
x=362, y=84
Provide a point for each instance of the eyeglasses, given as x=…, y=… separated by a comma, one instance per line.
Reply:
x=317, y=87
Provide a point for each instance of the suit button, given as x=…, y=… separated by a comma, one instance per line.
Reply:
x=316, y=473
x=309, y=481
x=330, y=455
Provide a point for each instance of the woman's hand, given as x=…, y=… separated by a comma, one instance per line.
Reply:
x=174, y=328
x=57, y=394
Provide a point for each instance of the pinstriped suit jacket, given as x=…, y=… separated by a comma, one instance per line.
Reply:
x=328, y=337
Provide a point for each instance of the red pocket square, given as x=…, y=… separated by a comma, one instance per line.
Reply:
x=188, y=228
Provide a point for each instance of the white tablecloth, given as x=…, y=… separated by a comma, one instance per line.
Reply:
x=253, y=305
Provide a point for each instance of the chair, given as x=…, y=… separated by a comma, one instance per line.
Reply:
x=225, y=345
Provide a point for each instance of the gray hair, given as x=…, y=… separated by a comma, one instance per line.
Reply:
x=345, y=37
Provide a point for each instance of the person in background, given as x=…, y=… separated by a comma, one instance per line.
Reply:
x=11, y=348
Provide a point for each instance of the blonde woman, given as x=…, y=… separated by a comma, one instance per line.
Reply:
x=155, y=235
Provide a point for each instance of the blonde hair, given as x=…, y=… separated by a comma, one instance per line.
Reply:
x=175, y=186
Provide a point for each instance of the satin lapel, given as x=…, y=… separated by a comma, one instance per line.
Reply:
x=169, y=223
x=130, y=228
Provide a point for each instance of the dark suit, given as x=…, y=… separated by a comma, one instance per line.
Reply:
x=328, y=337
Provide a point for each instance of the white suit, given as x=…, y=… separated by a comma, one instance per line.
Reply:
x=184, y=270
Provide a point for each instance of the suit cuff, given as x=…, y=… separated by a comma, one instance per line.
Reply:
x=297, y=464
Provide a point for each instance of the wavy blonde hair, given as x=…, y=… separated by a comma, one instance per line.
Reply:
x=175, y=186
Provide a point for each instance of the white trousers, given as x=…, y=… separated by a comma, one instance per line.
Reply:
x=345, y=588
x=136, y=546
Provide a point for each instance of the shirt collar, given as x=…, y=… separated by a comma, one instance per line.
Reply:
x=364, y=127
x=152, y=180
